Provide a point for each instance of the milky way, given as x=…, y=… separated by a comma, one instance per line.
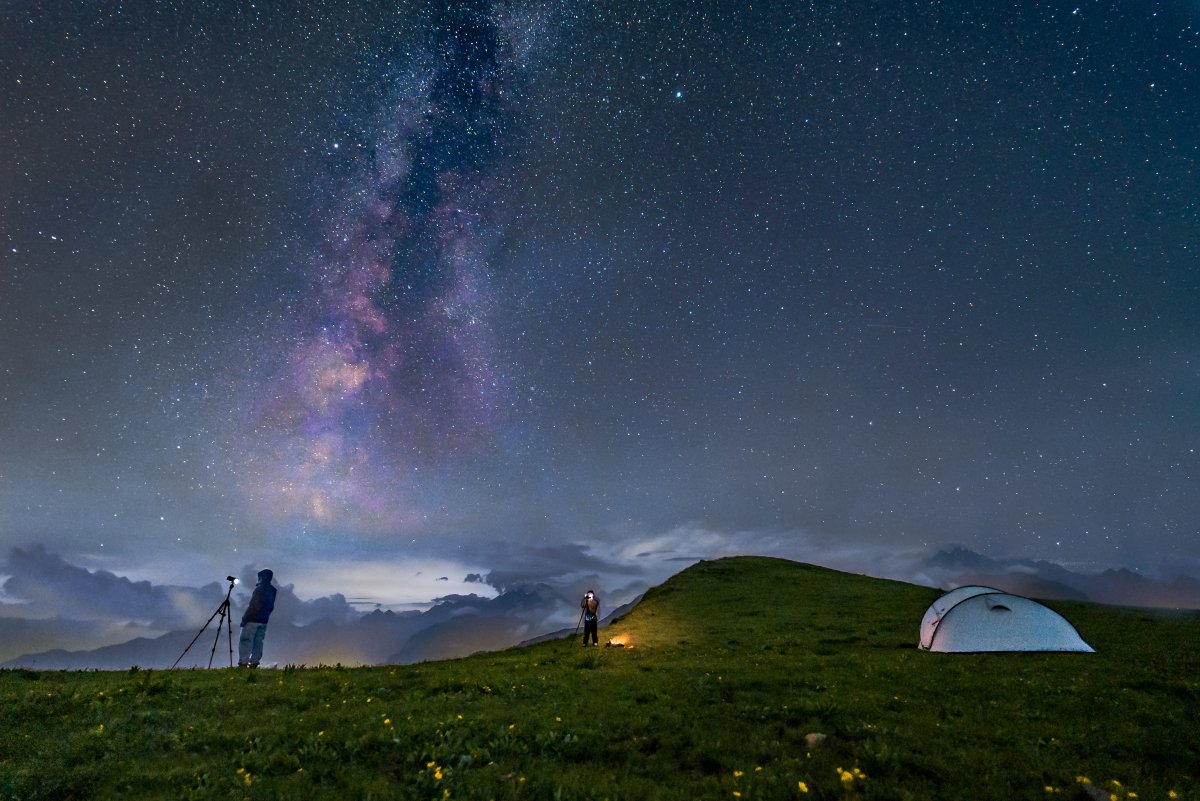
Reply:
x=396, y=366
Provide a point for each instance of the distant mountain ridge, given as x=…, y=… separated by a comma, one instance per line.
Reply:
x=455, y=626
x=1042, y=579
x=458, y=626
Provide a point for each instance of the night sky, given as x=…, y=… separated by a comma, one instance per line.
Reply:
x=380, y=293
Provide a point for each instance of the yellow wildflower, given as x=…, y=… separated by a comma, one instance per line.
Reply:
x=1083, y=780
x=737, y=774
x=802, y=787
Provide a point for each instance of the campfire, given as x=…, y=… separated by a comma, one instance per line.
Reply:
x=619, y=641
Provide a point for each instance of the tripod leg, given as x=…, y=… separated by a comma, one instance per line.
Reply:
x=224, y=613
x=198, y=633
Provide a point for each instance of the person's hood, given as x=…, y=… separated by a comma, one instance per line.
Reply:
x=265, y=576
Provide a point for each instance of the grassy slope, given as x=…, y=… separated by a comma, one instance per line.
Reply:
x=733, y=663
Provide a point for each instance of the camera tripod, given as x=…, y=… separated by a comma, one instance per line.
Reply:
x=225, y=621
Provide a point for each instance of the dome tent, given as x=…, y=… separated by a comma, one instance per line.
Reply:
x=942, y=605
x=971, y=619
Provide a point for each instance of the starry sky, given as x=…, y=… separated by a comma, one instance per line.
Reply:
x=381, y=294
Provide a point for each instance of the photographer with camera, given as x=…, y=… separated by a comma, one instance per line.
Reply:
x=590, y=606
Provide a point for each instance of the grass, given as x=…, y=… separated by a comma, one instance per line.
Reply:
x=734, y=664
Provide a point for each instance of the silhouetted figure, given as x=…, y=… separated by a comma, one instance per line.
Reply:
x=591, y=611
x=254, y=621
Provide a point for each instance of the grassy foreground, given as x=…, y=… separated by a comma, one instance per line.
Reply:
x=747, y=678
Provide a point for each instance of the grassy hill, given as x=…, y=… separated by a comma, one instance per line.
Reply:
x=746, y=678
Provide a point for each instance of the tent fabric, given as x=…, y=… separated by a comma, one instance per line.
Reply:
x=983, y=619
x=942, y=605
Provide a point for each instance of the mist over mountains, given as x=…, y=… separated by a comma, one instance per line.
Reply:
x=452, y=627
x=54, y=615
x=1047, y=580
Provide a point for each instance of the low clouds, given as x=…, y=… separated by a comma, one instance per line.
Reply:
x=48, y=602
x=41, y=584
x=110, y=621
x=67, y=616
x=551, y=564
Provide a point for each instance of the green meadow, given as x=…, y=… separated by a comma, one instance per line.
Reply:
x=743, y=678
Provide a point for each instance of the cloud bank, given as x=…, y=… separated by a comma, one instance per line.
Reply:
x=54, y=614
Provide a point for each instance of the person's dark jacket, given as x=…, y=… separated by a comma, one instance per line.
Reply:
x=262, y=602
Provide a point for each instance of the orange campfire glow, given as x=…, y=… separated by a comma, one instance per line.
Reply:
x=619, y=641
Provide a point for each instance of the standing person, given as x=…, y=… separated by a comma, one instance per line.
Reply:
x=591, y=610
x=254, y=621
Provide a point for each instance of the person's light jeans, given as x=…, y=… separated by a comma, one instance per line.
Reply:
x=250, y=644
